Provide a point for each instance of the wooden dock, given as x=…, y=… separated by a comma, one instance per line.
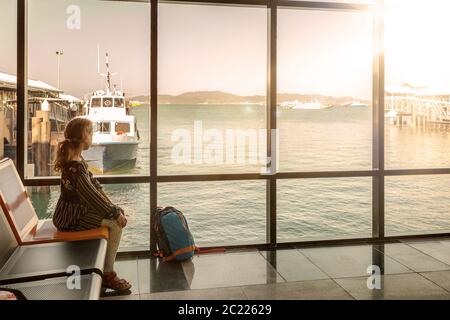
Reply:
x=427, y=112
x=48, y=113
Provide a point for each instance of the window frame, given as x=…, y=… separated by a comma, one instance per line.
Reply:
x=378, y=172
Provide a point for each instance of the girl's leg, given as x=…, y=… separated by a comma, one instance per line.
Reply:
x=110, y=278
x=115, y=234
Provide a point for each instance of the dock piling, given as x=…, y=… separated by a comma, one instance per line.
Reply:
x=40, y=139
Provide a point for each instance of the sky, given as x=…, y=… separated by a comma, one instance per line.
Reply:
x=224, y=48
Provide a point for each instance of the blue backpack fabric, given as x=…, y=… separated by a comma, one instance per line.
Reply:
x=175, y=241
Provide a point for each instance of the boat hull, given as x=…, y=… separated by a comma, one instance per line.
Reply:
x=112, y=156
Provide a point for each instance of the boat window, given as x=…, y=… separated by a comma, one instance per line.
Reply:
x=107, y=102
x=103, y=127
x=96, y=102
x=118, y=103
x=122, y=127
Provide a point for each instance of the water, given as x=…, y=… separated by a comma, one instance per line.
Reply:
x=310, y=140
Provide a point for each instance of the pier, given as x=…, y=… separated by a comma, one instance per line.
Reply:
x=49, y=110
x=418, y=107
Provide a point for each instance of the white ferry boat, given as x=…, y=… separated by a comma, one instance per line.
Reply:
x=355, y=104
x=116, y=138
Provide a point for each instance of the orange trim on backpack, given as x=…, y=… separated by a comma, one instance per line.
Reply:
x=212, y=250
x=180, y=251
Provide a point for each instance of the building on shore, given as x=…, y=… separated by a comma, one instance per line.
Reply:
x=418, y=106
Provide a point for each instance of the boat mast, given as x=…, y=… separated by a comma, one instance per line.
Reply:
x=108, y=75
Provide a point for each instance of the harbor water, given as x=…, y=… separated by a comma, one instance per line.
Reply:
x=234, y=212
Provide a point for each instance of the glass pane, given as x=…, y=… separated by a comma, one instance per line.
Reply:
x=119, y=103
x=417, y=205
x=220, y=213
x=8, y=84
x=102, y=127
x=212, y=85
x=343, y=1
x=318, y=209
x=324, y=90
x=134, y=199
x=96, y=102
x=85, y=60
x=122, y=127
x=417, y=107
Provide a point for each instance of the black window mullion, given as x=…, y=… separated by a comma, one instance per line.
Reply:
x=378, y=122
x=271, y=116
x=153, y=117
x=22, y=86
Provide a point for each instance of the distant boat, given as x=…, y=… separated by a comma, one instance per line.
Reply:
x=355, y=104
x=115, y=139
x=296, y=105
x=135, y=103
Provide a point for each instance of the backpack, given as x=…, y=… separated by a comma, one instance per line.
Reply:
x=175, y=241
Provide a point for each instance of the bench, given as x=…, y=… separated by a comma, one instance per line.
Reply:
x=35, y=256
x=22, y=217
x=40, y=271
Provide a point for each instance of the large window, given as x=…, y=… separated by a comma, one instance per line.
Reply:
x=132, y=198
x=221, y=76
x=220, y=213
x=417, y=84
x=324, y=90
x=71, y=47
x=417, y=115
x=8, y=106
x=319, y=209
x=325, y=123
x=82, y=50
x=417, y=204
x=212, y=89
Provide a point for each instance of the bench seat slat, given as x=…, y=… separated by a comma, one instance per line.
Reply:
x=46, y=232
x=52, y=260
x=57, y=289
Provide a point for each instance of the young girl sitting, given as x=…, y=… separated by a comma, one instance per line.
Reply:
x=83, y=205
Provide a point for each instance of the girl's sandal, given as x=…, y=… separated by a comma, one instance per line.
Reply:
x=111, y=281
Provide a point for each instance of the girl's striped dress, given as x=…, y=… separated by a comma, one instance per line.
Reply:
x=81, y=205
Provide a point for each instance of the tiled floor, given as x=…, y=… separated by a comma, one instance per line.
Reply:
x=410, y=270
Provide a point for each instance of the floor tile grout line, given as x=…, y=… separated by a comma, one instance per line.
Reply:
x=240, y=287
x=243, y=292
x=362, y=277
x=268, y=262
x=324, y=272
x=300, y=281
x=398, y=274
x=420, y=274
x=409, y=269
x=428, y=254
x=313, y=263
x=345, y=290
x=399, y=262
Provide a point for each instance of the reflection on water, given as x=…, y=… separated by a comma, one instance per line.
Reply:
x=331, y=139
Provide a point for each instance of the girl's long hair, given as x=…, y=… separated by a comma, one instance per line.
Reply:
x=75, y=135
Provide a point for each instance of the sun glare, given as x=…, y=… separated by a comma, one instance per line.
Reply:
x=416, y=44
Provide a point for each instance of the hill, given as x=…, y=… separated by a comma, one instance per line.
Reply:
x=219, y=97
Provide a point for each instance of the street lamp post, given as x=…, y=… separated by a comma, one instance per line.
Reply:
x=58, y=55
